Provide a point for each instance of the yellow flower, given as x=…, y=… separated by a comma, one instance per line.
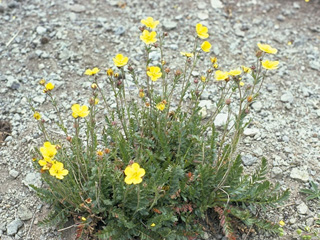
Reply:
x=150, y=23
x=42, y=82
x=91, y=72
x=120, y=60
x=141, y=94
x=94, y=86
x=49, y=86
x=246, y=69
x=57, y=170
x=83, y=219
x=134, y=174
x=241, y=84
x=96, y=101
x=219, y=75
x=270, y=64
x=161, y=106
x=235, y=72
x=267, y=48
x=48, y=151
x=36, y=115
x=99, y=153
x=215, y=65
x=205, y=46
x=306, y=0
x=187, y=54
x=45, y=164
x=203, y=78
x=202, y=31
x=148, y=37
x=79, y=111
x=282, y=223
x=154, y=73
x=153, y=224
x=214, y=60
x=110, y=72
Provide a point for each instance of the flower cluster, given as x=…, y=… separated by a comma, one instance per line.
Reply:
x=56, y=169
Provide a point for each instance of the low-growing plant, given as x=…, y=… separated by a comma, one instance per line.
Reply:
x=156, y=164
x=311, y=232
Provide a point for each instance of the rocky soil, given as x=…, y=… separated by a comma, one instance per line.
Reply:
x=58, y=39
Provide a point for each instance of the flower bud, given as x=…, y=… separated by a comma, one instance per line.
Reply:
x=196, y=81
x=163, y=62
x=42, y=82
x=167, y=70
x=142, y=28
x=69, y=139
x=247, y=111
x=258, y=53
x=113, y=123
x=178, y=72
x=130, y=68
x=165, y=34
x=156, y=45
x=228, y=101
x=107, y=151
x=249, y=98
x=119, y=83
x=197, y=93
x=94, y=86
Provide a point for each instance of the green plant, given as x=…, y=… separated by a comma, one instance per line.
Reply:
x=180, y=165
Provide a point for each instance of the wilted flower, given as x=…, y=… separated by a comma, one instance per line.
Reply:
x=110, y=72
x=42, y=82
x=246, y=69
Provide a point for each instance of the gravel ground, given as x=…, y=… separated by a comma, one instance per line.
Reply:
x=57, y=40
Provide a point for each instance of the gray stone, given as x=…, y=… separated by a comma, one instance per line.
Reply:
x=298, y=174
x=12, y=83
x=281, y=18
x=315, y=65
x=296, y=5
x=276, y=172
x=169, y=25
x=203, y=112
x=24, y=213
x=302, y=208
x=248, y=160
x=33, y=178
x=77, y=8
x=39, y=99
x=221, y=120
x=155, y=55
x=287, y=97
x=206, y=103
x=251, y=132
x=203, y=15
x=13, y=173
x=216, y=4
x=2, y=9
x=41, y=30
x=14, y=226
x=257, y=106
x=119, y=31
x=201, y=5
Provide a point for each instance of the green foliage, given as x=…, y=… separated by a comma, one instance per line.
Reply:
x=190, y=166
x=313, y=192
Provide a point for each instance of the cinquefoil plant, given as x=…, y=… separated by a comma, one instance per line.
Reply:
x=157, y=164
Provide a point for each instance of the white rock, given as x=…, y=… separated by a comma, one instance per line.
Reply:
x=298, y=174
x=216, y=4
x=302, y=208
x=221, y=120
x=206, y=103
x=287, y=97
x=41, y=30
x=251, y=132
x=14, y=226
